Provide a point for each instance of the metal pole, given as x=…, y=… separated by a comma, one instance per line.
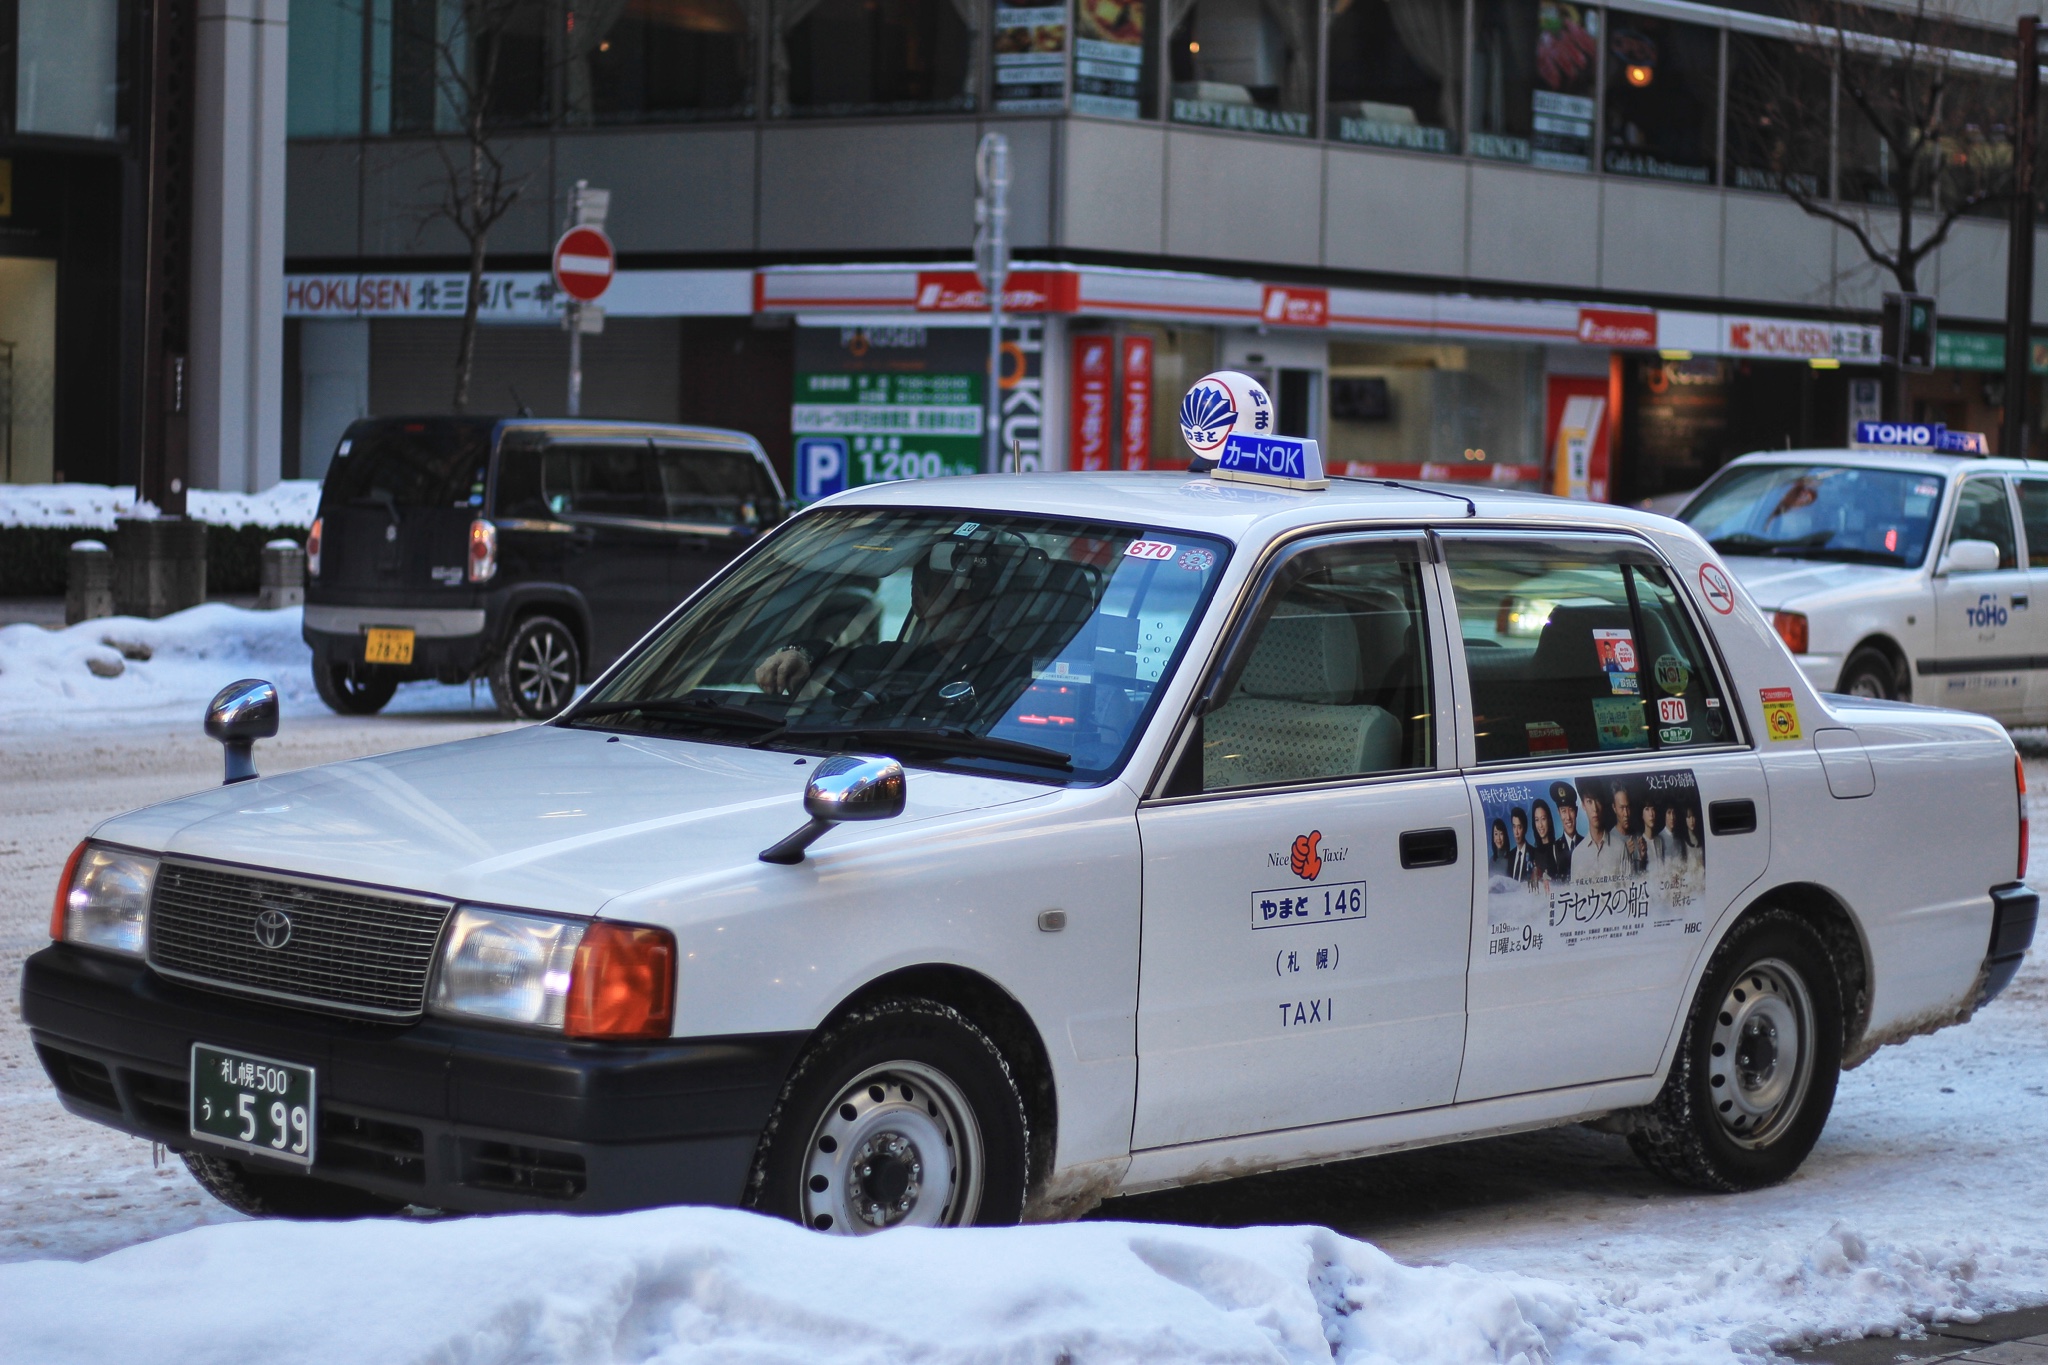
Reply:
x=575, y=359
x=2019, y=270
x=992, y=264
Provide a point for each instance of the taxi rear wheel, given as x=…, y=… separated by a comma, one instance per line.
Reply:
x=248, y=1189
x=1868, y=673
x=1754, y=1078
x=902, y=1114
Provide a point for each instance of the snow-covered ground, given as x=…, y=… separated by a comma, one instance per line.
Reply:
x=290, y=503
x=1926, y=1200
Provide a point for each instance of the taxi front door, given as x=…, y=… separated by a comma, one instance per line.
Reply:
x=1985, y=635
x=1307, y=888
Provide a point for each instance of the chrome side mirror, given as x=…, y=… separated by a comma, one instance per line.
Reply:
x=844, y=787
x=240, y=714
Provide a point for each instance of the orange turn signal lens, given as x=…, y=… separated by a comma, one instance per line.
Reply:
x=623, y=984
x=58, y=911
x=1791, y=628
x=313, y=539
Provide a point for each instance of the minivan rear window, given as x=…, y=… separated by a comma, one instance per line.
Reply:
x=425, y=462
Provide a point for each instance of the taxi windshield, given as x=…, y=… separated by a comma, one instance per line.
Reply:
x=1022, y=646
x=1817, y=511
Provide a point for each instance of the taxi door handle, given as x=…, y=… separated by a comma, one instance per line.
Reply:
x=1732, y=817
x=1429, y=848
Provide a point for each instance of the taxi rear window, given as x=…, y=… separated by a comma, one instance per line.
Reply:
x=1815, y=511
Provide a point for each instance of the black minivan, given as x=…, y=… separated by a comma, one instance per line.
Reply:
x=527, y=551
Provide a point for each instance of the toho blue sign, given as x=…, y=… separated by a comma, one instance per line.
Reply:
x=1288, y=461
x=1921, y=436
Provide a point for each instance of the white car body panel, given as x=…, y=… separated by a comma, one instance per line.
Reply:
x=666, y=832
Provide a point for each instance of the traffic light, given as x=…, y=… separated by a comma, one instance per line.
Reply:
x=1909, y=331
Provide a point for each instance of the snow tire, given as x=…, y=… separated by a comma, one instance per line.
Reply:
x=1683, y=1135
x=536, y=674
x=1869, y=673
x=270, y=1194
x=349, y=692
x=898, y=1031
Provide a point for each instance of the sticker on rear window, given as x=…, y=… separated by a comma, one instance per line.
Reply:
x=1196, y=560
x=1149, y=549
x=1618, y=721
x=1617, y=653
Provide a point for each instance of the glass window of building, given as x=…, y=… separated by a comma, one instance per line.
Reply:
x=1534, y=68
x=1778, y=116
x=1394, y=404
x=1030, y=46
x=840, y=57
x=1869, y=172
x=671, y=61
x=1396, y=70
x=1245, y=64
x=429, y=58
x=1115, y=74
x=67, y=67
x=324, y=60
x=1975, y=146
x=1663, y=96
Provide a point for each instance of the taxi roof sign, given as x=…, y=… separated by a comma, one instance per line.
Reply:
x=1931, y=436
x=1282, y=461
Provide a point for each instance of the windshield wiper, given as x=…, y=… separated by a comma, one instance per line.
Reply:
x=695, y=708
x=1844, y=553
x=935, y=738
x=1746, y=543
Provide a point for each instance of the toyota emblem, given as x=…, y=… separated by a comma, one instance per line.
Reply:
x=273, y=929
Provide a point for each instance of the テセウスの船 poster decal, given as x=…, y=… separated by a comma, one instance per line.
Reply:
x=1605, y=859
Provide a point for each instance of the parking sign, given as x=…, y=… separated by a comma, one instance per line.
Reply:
x=820, y=467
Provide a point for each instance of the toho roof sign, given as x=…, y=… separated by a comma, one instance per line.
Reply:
x=1933, y=437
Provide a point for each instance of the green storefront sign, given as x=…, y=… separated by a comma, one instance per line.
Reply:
x=1981, y=351
x=896, y=426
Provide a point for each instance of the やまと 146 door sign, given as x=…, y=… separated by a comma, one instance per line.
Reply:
x=1603, y=860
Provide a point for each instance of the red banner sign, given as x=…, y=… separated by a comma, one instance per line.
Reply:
x=1092, y=393
x=1137, y=405
x=1617, y=327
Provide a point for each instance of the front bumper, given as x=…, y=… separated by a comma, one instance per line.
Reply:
x=433, y=1113
x=2014, y=910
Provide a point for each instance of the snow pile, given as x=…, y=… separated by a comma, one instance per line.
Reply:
x=703, y=1284
x=126, y=667
x=95, y=505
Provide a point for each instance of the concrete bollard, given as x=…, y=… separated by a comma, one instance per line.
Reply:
x=159, y=565
x=284, y=576
x=88, y=582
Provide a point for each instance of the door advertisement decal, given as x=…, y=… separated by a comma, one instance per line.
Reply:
x=1608, y=859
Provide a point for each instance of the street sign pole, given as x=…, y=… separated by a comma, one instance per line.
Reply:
x=2019, y=271
x=587, y=210
x=992, y=264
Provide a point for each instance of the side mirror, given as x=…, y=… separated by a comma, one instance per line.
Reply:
x=844, y=787
x=240, y=714
x=1967, y=556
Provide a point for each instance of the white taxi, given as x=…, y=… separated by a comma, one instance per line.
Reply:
x=1905, y=573
x=972, y=850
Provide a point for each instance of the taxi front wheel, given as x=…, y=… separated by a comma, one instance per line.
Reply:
x=902, y=1114
x=1754, y=1078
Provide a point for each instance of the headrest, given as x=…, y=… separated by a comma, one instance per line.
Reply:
x=1565, y=649
x=1304, y=656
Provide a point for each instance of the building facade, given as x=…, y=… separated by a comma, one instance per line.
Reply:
x=1529, y=241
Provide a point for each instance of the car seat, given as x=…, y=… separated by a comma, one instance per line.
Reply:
x=1295, y=715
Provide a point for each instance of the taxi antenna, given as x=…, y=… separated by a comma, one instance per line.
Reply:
x=1471, y=507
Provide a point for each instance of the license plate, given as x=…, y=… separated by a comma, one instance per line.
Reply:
x=388, y=645
x=256, y=1104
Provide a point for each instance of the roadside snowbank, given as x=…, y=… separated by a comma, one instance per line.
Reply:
x=701, y=1284
x=95, y=505
x=129, y=668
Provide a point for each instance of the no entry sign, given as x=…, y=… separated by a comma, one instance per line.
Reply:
x=583, y=263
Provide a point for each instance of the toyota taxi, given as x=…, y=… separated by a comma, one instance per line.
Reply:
x=1903, y=568
x=971, y=850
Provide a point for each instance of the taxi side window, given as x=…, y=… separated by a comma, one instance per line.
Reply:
x=1983, y=513
x=2034, y=517
x=1335, y=681
x=1579, y=650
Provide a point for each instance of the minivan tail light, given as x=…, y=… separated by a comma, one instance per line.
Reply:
x=623, y=984
x=2019, y=777
x=483, y=551
x=1791, y=628
x=313, y=549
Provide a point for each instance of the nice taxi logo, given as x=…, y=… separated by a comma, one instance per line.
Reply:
x=1305, y=859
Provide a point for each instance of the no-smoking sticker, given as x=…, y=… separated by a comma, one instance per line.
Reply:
x=1720, y=593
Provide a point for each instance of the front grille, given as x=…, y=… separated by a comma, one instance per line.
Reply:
x=357, y=952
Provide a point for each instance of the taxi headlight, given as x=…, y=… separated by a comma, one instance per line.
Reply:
x=513, y=968
x=104, y=902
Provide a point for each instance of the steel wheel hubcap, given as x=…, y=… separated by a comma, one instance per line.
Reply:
x=1760, y=1057
x=899, y=1147
x=542, y=670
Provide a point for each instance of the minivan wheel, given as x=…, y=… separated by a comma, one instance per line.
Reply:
x=259, y=1193
x=1754, y=1079
x=350, y=691
x=1870, y=674
x=903, y=1114
x=537, y=673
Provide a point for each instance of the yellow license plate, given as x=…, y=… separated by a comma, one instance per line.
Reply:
x=388, y=646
